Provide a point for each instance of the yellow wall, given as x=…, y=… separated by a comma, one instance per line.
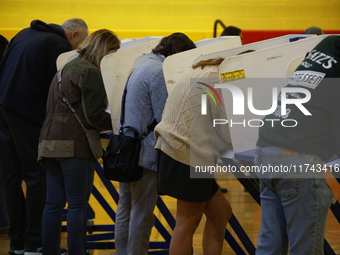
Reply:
x=132, y=18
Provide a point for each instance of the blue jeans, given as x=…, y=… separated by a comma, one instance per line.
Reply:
x=68, y=180
x=294, y=205
x=135, y=219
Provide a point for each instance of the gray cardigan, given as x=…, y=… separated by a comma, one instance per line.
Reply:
x=145, y=100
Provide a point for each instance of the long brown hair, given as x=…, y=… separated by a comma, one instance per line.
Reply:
x=208, y=62
x=97, y=45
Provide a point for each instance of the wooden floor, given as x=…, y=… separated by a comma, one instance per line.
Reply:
x=244, y=207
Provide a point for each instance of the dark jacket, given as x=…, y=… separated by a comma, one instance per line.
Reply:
x=28, y=67
x=61, y=134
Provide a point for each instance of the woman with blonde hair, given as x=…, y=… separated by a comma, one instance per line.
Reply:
x=187, y=139
x=63, y=145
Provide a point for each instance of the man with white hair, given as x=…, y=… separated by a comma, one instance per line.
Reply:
x=26, y=72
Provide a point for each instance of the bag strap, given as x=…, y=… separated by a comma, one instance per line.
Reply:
x=122, y=110
x=67, y=102
x=151, y=127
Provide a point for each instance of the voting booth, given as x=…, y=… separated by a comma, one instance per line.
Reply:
x=125, y=44
x=115, y=69
x=226, y=53
x=175, y=65
x=207, y=41
x=260, y=70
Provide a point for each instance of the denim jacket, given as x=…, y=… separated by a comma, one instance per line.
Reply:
x=145, y=100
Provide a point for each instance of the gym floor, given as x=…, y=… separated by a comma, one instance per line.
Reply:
x=246, y=210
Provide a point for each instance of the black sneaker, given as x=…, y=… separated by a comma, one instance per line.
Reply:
x=63, y=251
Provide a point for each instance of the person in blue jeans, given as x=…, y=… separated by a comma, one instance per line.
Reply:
x=63, y=145
x=295, y=197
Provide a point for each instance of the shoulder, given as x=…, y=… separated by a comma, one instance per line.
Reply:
x=150, y=72
x=153, y=65
x=82, y=69
x=79, y=65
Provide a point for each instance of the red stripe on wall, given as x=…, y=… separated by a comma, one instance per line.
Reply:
x=250, y=36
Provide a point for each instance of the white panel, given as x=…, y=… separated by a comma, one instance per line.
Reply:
x=129, y=43
x=269, y=62
x=115, y=69
x=213, y=40
x=244, y=136
x=174, y=66
x=66, y=57
x=259, y=68
x=125, y=44
x=225, y=53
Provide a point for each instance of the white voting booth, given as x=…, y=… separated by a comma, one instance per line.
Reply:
x=129, y=43
x=226, y=53
x=174, y=66
x=125, y=44
x=207, y=41
x=260, y=70
x=66, y=57
x=115, y=70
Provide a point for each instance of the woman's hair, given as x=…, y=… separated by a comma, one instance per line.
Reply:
x=97, y=45
x=173, y=44
x=208, y=62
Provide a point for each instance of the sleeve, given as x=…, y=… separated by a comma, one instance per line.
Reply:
x=336, y=120
x=220, y=113
x=55, y=46
x=159, y=94
x=95, y=101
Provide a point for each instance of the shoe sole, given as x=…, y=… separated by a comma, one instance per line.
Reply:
x=20, y=252
x=36, y=253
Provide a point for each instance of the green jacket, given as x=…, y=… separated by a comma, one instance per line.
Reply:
x=61, y=134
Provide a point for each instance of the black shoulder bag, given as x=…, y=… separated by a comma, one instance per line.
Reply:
x=121, y=158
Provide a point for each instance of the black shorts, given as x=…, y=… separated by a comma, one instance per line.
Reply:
x=174, y=180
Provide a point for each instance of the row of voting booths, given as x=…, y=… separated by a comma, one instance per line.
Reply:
x=263, y=65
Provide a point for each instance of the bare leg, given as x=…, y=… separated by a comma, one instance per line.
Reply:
x=218, y=212
x=188, y=217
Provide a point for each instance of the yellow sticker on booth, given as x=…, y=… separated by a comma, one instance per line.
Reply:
x=234, y=75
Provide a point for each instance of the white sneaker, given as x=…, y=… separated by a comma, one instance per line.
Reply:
x=16, y=252
x=38, y=252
